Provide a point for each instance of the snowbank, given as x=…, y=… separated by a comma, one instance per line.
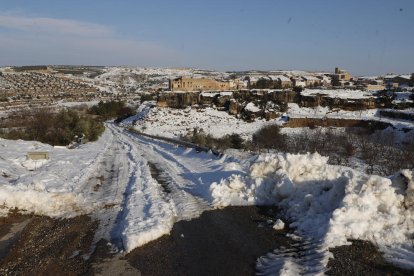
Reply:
x=329, y=203
x=54, y=188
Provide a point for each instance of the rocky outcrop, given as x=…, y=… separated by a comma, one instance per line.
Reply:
x=178, y=99
x=251, y=112
x=223, y=99
x=235, y=107
x=283, y=96
x=331, y=102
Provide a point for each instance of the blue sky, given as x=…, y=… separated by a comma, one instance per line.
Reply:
x=366, y=37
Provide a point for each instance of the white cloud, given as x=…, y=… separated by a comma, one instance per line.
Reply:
x=41, y=40
x=52, y=25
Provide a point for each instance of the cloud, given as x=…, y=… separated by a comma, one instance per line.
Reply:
x=41, y=40
x=53, y=26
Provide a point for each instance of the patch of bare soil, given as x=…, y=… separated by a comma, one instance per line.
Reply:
x=51, y=247
x=219, y=242
x=361, y=258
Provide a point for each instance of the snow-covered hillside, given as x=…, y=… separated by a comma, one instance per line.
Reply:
x=173, y=123
x=138, y=79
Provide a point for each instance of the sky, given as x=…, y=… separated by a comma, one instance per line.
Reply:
x=369, y=37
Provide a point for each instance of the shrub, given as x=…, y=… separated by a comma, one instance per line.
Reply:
x=147, y=97
x=200, y=138
x=57, y=128
x=269, y=137
x=112, y=109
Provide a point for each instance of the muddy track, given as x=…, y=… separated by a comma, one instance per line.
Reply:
x=50, y=247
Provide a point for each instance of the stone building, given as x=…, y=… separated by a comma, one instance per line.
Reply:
x=340, y=77
x=197, y=84
x=281, y=81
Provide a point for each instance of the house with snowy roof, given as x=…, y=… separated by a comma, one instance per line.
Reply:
x=394, y=81
x=299, y=82
x=324, y=80
x=281, y=81
x=311, y=81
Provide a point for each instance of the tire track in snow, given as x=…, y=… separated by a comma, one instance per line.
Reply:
x=171, y=170
x=107, y=191
x=145, y=214
x=305, y=257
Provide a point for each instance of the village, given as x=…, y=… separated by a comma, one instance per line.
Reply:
x=178, y=88
x=256, y=95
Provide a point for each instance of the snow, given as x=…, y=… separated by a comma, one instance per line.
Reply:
x=135, y=79
x=403, y=97
x=279, y=77
x=75, y=104
x=209, y=94
x=326, y=202
x=279, y=225
x=53, y=188
x=294, y=111
x=252, y=108
x=146, y=215
x=338, y=93
x=173, y=123
x=310, y=78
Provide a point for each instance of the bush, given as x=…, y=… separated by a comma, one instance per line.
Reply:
x=57, y=128
x=146, y=97
x=264, y=83
x=112, y=109
x=269, y=137
x=200, y=138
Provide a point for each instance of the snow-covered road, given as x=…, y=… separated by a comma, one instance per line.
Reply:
x=147, y=209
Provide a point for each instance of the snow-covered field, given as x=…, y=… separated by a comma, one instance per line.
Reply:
x=174, y=123
x=338, y=93
x=294, y=111
x=111, y=180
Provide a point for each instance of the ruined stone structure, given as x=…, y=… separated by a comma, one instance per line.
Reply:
x=193, y=84
x=178, y=99
x=345, y=104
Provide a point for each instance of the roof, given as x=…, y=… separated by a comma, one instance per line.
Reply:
x=279, y=77
x=310, y=78
x=405, y=77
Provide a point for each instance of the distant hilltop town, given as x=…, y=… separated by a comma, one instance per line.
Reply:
x=289, y=79
x=49, y=86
